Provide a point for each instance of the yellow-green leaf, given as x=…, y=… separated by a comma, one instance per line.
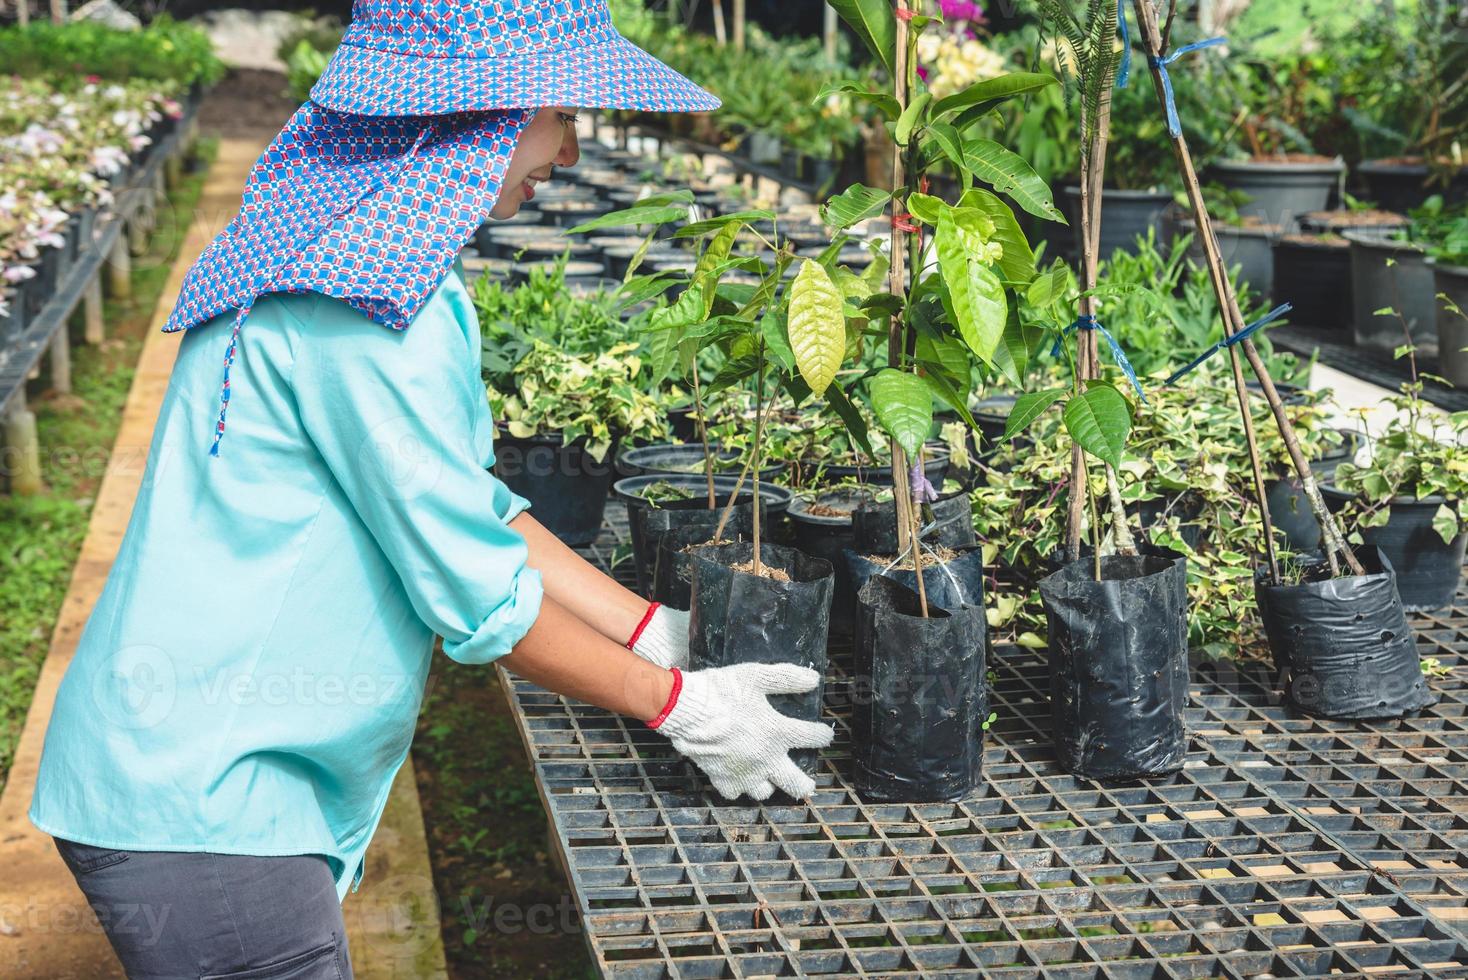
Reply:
x=817, y=325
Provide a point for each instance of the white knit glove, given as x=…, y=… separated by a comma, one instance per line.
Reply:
x=662, y=637
x=721, y=720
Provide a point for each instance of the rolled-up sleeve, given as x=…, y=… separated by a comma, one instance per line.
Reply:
x=398, y=417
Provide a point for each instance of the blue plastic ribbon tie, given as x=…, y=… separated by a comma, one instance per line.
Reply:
x=1237, y=338
x=1088, y=321
x=1174, y=127
x=1125, y=73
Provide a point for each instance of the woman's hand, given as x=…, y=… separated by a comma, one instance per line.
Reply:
x=721, y=719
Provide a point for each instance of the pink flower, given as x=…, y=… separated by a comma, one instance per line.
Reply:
x=960, y=10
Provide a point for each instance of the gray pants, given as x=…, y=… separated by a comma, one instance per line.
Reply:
x=200, y=916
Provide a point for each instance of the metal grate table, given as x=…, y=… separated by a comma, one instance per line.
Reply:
x=1286, y=847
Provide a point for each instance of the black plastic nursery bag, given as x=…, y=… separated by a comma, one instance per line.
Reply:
x=1119, y=664
x=918, y=703
x=1343, y=645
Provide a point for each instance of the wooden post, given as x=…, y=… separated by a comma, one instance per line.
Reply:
x=120, y=269
x=61, y=361
x=96, y=327
x=23, y=12
x=58, y=11
x=739, y=25
x=829, y=32
x=22, y=448
x=721, y=31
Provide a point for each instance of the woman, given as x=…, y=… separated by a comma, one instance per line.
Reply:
x=224, y=740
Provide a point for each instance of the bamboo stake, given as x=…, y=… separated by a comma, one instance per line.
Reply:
x=703, y=436
x=896, y=279
x=1233, y=322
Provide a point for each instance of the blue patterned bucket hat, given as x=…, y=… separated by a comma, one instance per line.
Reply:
x=422, y=58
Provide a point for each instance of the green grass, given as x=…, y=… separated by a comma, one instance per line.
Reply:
x=40, y=536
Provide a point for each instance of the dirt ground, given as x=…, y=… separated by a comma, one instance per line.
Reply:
x=246, y=102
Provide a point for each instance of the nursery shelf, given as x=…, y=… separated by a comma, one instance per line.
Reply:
x=1336, y=350
x=31, y=345
x=1286, y=847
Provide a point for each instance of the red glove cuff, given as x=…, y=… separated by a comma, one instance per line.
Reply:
x=672, y=699
x=646, y=618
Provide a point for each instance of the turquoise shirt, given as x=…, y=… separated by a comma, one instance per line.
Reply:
x=251, y=676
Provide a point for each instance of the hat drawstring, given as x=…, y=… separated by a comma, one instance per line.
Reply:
x=244, y=310
x=234, y=337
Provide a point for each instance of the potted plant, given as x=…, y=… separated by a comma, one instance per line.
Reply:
x=561, y=416
x=1447, y=254
x=1403, y=74
x=1408, y=497
x=1389, y=272
x=1245, y=240
x=1311, y=265
x=1274, y=161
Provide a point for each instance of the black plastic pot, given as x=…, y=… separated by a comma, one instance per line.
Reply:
x=1280, y=190
x=566, y=487
x=738, y=617
x=828, y=535
x=1125, y=215
x=1184, y=505
x=1389, y=273
x=1119, y=664
x=1451, y=281
x=569, y=213
x=578, y=272
x=1399, y=185
x=1313, y=272
x=43, y=285
x=874, y=525
x=1374, y=222
x=685, y=459
x=992, y=415
x=1427, y=569
x=879, y=474
x=506, y=243
x=1289, y=508
x=672, y=570
x=918, y=703
x=646, y=519
x=1249, y=246
x=1343, y=645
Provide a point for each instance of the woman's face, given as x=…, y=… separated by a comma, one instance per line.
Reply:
x=548, y=140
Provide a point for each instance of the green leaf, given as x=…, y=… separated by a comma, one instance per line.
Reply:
x=1018, y=261
x=1445, y=523
x=883, y=101
x=654, y=210
x=1029, y=407
x=1010, y=174
x=857, y=203
x=912, y=117
x=773, y=331
x=904, y=406
x=817, y=325
x=715, y=224
x=1048, y=286
x=874, y=23
x=950, y=396
x=882, y=304
x=983, y=96
x=1099, y=420
x=1012, y=356
x=856, y=425
x=975, y=293
x=948, y=140
x=706, y=273
x=926, y=208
